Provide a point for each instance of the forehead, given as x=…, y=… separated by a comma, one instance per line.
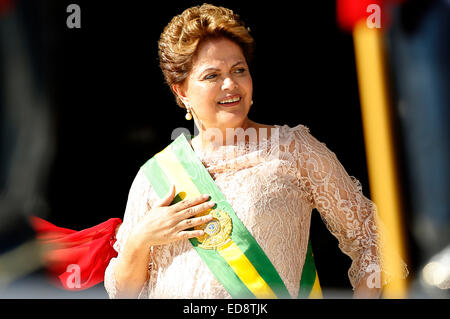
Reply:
x=217, y=53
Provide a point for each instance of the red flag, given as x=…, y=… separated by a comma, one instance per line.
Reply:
x=77, y=260
x=350, y=12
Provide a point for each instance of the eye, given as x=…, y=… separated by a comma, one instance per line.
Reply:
x=210, y=76
x=240, y=70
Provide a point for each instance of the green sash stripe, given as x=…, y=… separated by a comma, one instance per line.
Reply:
x=240, y=235
x=220, y=269
x=157, y=178
x=308, y=274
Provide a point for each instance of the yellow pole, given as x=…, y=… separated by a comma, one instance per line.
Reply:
x=379, y=147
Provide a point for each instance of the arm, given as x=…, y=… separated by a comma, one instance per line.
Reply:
x=117, y=276
x=144, y=227
x=131, y=270
x=363, y=291
x=348, y=214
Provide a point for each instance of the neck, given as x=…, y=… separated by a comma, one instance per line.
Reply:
x=213, y=137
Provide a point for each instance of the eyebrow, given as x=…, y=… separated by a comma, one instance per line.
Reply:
x=216, y=69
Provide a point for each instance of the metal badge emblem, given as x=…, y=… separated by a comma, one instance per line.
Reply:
x=217, y=231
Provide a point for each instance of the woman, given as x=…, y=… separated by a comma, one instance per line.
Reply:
x=273, y=177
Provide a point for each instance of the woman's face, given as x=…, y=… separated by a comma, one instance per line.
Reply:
x=219, y=87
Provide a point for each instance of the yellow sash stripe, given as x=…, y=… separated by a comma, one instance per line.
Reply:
x=176, y=173
x=230, y=252
x=316, y=291
x=245, y=270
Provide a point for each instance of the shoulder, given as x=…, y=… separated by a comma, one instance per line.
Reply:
x=140, y=180
x=140, y=187
x=285, y=133
x=307, y=151
x=299, y=139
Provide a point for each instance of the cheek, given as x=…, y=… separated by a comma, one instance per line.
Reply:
x=203, y=96
x=199, y=91
x=247, y=85
x=246, y=82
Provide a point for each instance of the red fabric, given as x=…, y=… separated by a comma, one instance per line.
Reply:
x=349, y=12
x=77, y=260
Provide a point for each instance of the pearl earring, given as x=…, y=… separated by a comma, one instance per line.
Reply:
x=188, y=115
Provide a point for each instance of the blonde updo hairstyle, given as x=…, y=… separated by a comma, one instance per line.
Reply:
x=181, y=37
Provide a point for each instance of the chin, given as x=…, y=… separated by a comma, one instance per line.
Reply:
x=236, y=116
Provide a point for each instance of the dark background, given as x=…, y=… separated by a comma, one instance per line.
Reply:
x=112, y=110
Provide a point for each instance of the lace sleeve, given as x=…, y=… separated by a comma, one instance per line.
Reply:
x=139, y=197
x=348, y=214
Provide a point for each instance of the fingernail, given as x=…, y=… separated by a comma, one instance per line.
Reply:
x=211, y=204
x=206, y=196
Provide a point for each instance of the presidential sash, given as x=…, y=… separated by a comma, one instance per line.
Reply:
x=227, y=248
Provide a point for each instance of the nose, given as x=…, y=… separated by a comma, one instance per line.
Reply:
x=229, y=84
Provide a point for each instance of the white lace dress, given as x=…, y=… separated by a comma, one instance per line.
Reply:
x=273, y=187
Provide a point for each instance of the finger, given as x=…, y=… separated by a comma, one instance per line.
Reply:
x=167, y=200
x=186, y=203
x=192, y=222
x=186, y=234
x=195, y=210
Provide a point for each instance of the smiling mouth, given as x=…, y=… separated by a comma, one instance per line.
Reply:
x=230, y=101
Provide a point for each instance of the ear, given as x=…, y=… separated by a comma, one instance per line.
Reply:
x=181, y=93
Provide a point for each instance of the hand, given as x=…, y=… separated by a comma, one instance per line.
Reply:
x=164, y=224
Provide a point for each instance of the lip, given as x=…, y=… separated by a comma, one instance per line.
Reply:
x=231, y=104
